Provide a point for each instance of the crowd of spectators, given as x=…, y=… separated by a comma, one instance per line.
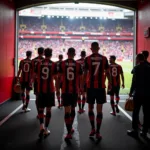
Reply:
x=121, y=49
x=91, y=25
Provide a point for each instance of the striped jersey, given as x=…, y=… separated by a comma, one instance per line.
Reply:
x=115, y=72
x=26, y=70
x=71, y=71
x=45, y=70
x=96, y=66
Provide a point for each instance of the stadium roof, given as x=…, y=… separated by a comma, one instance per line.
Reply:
x=78, y=10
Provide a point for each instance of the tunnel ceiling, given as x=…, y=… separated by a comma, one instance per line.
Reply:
x=131, y=4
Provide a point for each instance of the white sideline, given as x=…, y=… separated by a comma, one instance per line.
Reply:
x=12, y=113
x=125, y=113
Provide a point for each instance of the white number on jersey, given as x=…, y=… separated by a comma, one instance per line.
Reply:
x=26, y=67
x=96, y=64
x=45, y=72
x=70, y=73
x=114, y=71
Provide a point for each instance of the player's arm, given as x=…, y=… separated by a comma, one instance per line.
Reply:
x=108, y=74
x=122, y=79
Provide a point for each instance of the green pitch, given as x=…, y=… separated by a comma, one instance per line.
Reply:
x=127, y=67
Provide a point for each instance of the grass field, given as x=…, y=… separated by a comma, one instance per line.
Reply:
x=127, y=67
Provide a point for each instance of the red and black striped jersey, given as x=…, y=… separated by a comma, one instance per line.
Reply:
x=96, y=66
x=35, y=61
x=58, y=64
x=26, y=70
x=81, y=61
x=45, y=70
x=115, y=71
x=71, y=71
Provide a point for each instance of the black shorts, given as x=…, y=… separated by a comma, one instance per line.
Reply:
x=25, y=85
x=96, y=94
x=35, y=87
x=46, y=100
x=70, y=99
x=114, y=91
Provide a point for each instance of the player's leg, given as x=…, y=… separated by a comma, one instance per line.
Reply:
x=47, y=120
x=79, y=103
x=36, y=96
x=73, y=105
x=41, y=104
x=117, y=89
x=99, y=118
x=112, y=102
x=100, y=100
x=67, y=116
x=58, y=91
x=23, y=94
x=61, y=100
x=28, y=88
x=83, y=100
x=91, y=101
x=58, y=97
x=50, y=102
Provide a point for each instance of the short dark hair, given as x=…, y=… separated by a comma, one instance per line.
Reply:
x=60, y=56
x=145, y=53
x=28, y=53
x=48, y=52
x=71, y=50
x=95, y=44
x=40, y=50
x=140, y=57
x=113, y=57
x=83, y=53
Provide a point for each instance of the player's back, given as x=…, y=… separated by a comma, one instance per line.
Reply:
x=70, y=70
x=115, y=72
x=26, y=68
x=96, y=65
x=45, y=71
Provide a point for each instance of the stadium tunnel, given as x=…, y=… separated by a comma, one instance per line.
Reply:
x=8, y=61
x=102, y=23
